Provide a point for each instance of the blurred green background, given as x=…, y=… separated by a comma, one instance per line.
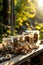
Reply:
x=27, y=16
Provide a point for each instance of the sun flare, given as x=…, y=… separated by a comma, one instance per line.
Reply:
x=40, y=3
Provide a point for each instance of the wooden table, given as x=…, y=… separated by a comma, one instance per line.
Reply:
x=21, y=58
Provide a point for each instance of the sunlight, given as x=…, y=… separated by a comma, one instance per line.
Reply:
x=40, y=3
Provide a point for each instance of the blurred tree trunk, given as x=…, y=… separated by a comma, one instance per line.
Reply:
x=5, y=12
x=9, y=14
x=12, y=17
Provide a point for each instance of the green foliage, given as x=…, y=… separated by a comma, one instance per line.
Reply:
x=4, y=29
x=24, y=10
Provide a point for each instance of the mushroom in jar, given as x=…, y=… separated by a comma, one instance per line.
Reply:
x=35, y=38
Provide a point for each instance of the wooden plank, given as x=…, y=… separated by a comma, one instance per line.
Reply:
x=22, y=57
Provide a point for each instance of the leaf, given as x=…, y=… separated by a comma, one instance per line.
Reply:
x=27, y=24
x=42, y=30
x=8, y=31
x=38, y=27
x=29, y=28
x=20, y=23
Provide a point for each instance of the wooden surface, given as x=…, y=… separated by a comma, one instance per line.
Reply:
x=21, y=57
